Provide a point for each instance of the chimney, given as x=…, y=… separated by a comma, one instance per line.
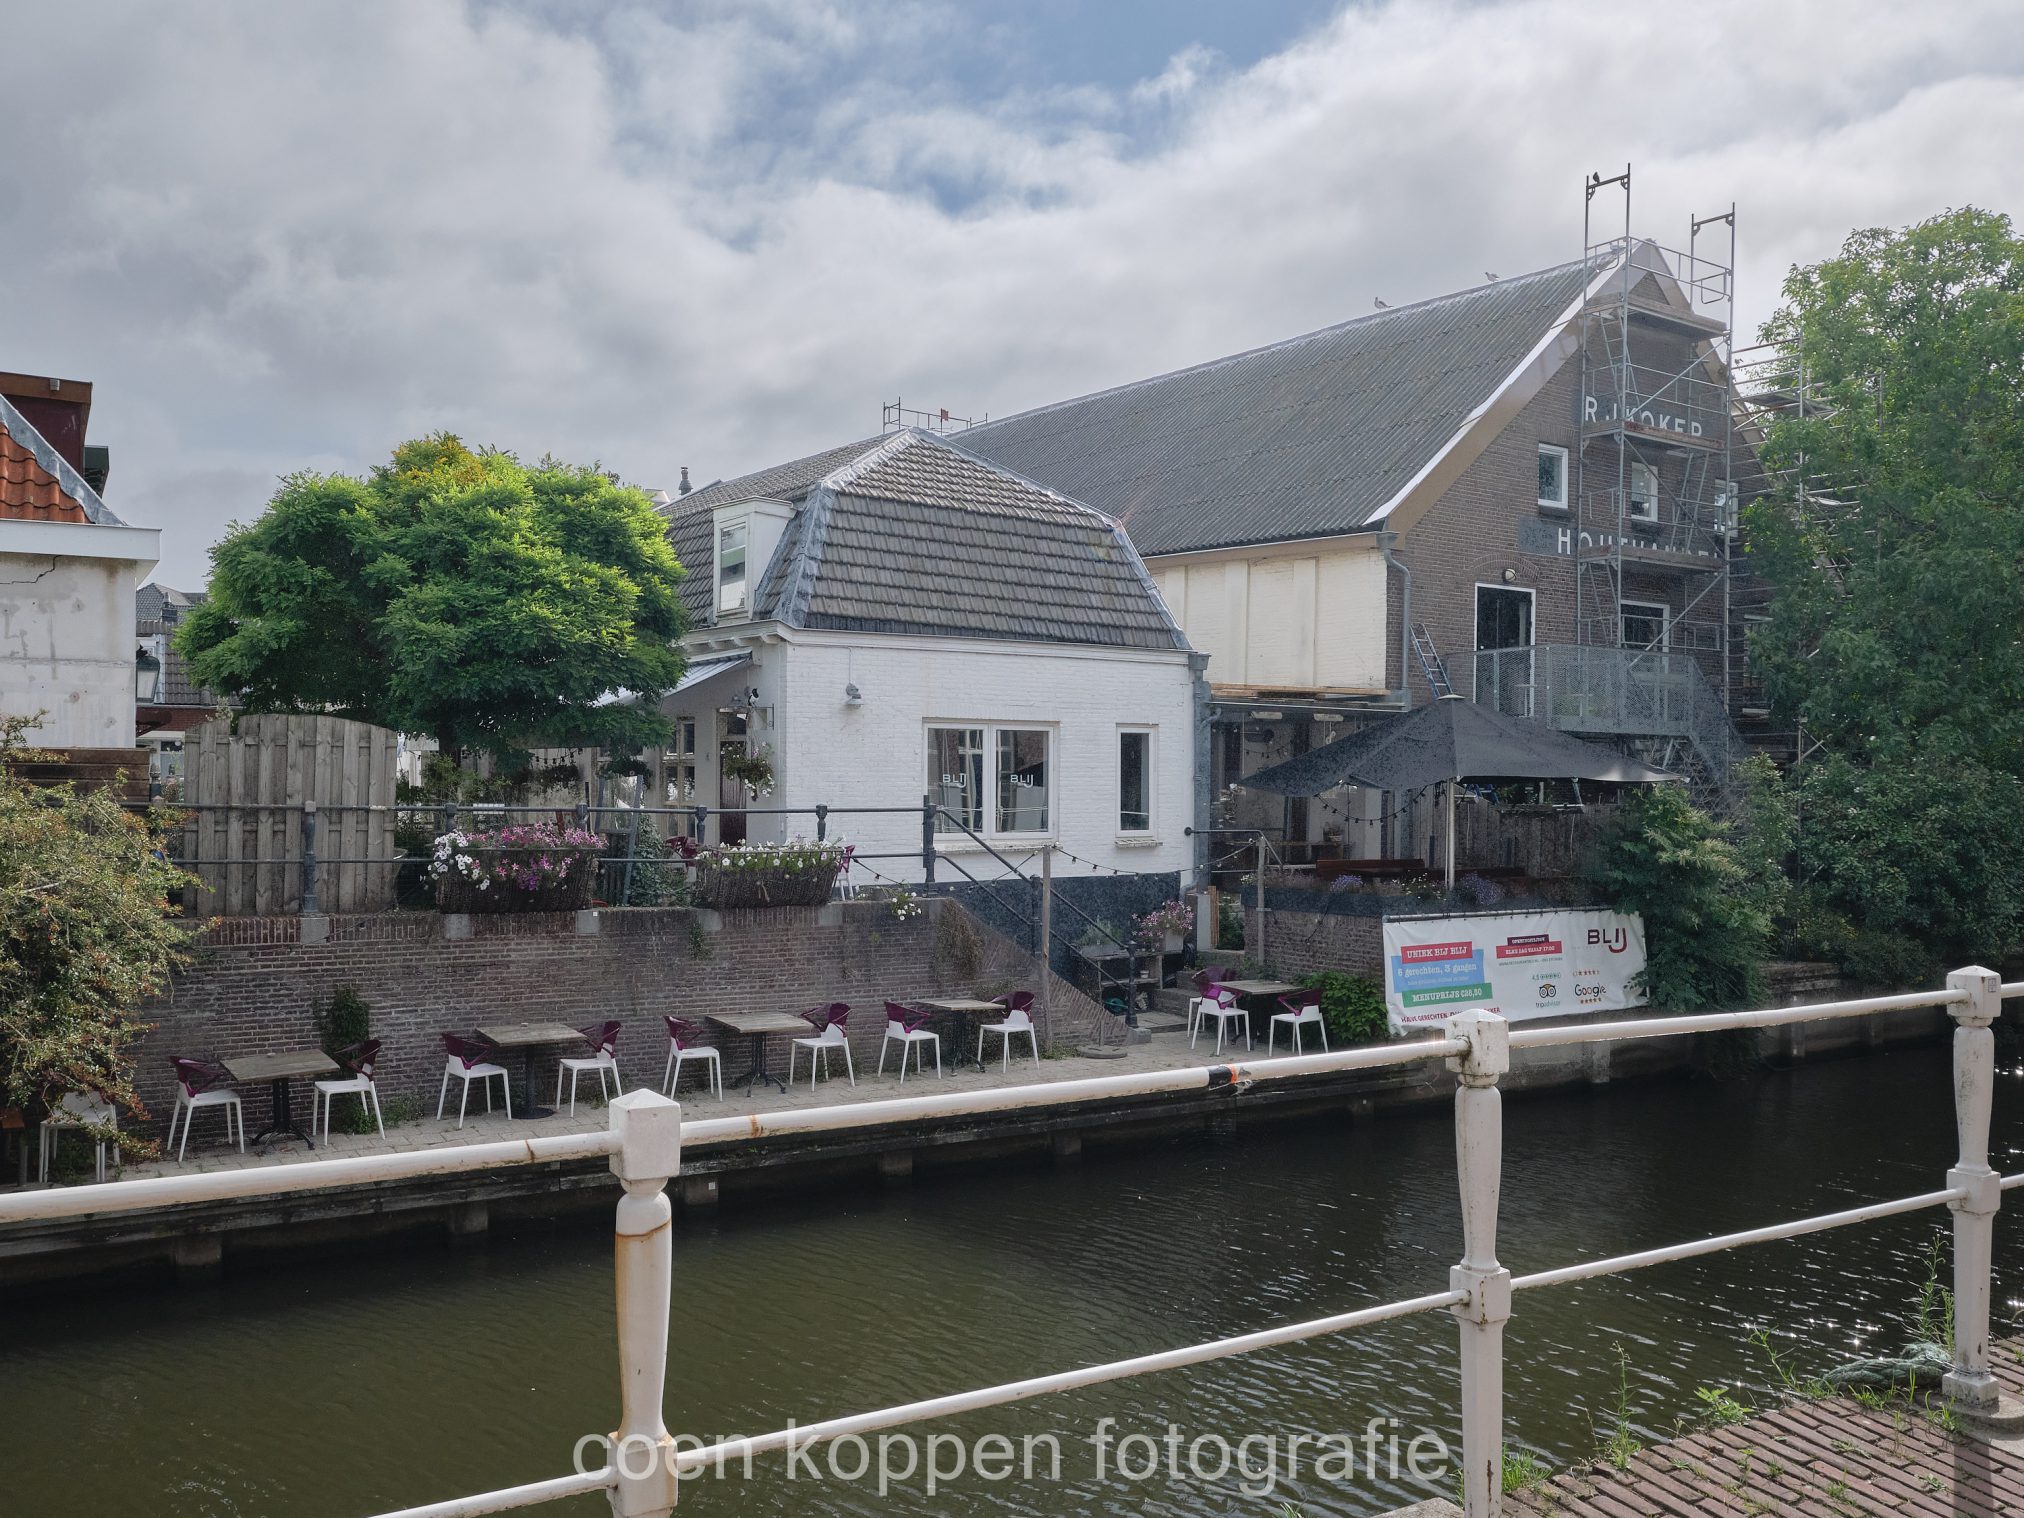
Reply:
x=685, y=487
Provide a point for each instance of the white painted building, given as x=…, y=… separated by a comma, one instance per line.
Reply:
x=897, y=620
x=68, y=572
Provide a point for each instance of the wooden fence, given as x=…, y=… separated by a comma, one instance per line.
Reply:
x=259, y=797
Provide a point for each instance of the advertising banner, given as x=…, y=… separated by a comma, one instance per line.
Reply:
x=1520, y=965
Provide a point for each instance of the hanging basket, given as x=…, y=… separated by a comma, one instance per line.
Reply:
x=456, y=894
x=803, y=885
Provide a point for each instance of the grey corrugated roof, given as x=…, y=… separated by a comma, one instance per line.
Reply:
x=912, y=534
x=1306, y=438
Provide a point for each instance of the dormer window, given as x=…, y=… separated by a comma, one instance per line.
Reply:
x=731, y=542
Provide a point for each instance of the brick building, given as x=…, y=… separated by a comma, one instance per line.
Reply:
x=1521, y=491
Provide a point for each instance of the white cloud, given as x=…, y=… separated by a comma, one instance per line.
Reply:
x=279, y=237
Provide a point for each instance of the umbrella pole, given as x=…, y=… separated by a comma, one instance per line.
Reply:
x=1451, y=837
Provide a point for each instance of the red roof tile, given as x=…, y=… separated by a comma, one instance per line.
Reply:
x=29, y=491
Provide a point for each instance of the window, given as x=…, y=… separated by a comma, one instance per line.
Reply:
x=1644, y=493
x=956, y=776
x=678, y=764
x=1134, y=781
x=1553, y=477
x=731, y=568
x=1503, y=617
x=1022, y=780
x=1644, y=624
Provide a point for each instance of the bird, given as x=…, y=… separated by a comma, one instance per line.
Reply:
x=1381, y=305
x=1489, y=276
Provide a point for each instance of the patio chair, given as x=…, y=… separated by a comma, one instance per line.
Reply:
x=845, y=891
x=603, y=1058
x=197, y=1086
x=905, y=1027
x=360, y=1060
x=468, y=1062
x=1018, y=1020
x=1206, y=980
x=681, y=1048
x=1302, y=1008
x=831, y=1032
x=76, y=1109
x=1220, y=1003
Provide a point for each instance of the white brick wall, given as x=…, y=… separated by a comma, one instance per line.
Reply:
x=875, y=754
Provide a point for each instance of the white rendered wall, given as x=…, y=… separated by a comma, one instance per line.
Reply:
x=875, y=753
x=1283, y=619
x=67, y=646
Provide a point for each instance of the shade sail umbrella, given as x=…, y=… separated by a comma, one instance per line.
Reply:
x=1444, y=743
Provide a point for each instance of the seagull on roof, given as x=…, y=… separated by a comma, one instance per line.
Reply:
x=1489, y=276
x=1381, y=305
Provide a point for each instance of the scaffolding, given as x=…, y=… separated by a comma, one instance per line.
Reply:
x=898, y=417
x=1654, y=490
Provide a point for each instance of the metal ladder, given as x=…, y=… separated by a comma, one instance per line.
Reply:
x=1431, y=663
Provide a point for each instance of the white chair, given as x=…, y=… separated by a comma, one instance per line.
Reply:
x=903, y=1026
x=1220, y=1003
x=468, y=1063
x=603, y=1058
x=1204, y=991
x=359, y=1059
x=77, y=1109
x=681, y=1050
x=1300, y=1011
x=196, y=1086
x=1018, y=1020
x=831, y=1036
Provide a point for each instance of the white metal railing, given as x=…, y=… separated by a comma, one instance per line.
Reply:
x=646, y=1136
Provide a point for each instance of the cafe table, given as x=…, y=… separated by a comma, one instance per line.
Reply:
x=756, y=1028
x=1248, y=990
x=527, y=1037
x=281, y=1071
x=961, y=1010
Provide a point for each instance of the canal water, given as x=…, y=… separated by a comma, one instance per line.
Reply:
x=363, y=1384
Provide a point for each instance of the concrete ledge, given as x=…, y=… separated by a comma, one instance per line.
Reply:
x=315, y=929
x=2004, y=1421
x=1433, y=1507
x=456, y=925
x=588, y=923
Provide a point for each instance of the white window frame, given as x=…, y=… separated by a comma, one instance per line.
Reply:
x=680, y=764
x=1665, y=624
x=990, y=831
x=743, y=527
x=1638, y=467
x=1152, y=786
x=1566, y=464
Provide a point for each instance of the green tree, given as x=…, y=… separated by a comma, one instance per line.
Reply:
x=456, y=593
x=1707, y=929
x=86, y=935
x=1896, y=632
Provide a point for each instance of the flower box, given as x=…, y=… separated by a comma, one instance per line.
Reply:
x=533, y=867
x=768, y=875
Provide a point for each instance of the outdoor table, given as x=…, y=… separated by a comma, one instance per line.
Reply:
x=527, y=1037
x=757, y=1027
x=280, y=1071
x=1249, y=989
x=960, y=1010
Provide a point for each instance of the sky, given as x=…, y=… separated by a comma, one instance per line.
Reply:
x=652, y=234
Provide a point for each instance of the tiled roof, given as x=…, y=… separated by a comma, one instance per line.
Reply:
x=177, y=688
x=782, y=482
x=912, y=534
x=36, y=483
x=1306, y=438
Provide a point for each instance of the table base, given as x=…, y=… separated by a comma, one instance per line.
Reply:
x=530, y=1110
x=751, y=1078
x=281, y=1120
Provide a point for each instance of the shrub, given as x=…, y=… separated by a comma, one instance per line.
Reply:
x=1706, y=931
x=1352, y=1008
x=344, y=1020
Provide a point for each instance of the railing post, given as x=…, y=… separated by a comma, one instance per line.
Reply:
x=446, y=821
x=309, y=859
x=927, y=840
x=647, y=1129
x=821, y=821
x=1479, y=1163
x=1969, y=1385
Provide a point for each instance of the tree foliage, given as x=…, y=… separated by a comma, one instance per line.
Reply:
x=1707, y=924
x=1896, y=635
x=86, y=935
x=456, y=593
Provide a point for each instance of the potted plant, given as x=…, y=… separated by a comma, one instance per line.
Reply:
x=797, y=873
x=753, y=770
x=523, y=867
x=1165, y=927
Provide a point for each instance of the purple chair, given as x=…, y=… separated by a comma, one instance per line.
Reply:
x=907, y=1028
x=603, y=1058
x=1206, y=981
x=831, y=1032
x=469, y=1060
x=1218, y=1002
x=682, y=1046
x=1302, y=1008
x=1018, y=1020
x=198, y=1085
x=360, y=1059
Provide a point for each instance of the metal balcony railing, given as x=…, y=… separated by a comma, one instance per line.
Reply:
x=643, y=1461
